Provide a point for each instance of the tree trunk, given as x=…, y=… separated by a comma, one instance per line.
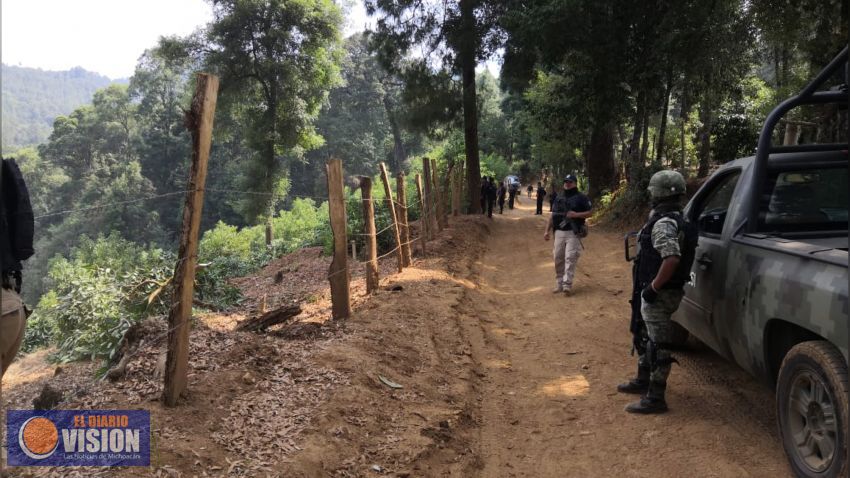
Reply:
x=662, y=131
x=644, y=147
x=705, y=116
x=470, y=108
x=683, y=117
x=601, y=169
x=633, y=167
x=624, y=152
x=399, y=154
x=271, y=167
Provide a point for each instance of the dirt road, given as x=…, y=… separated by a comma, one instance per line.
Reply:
x=552, y=362
x=463, y=365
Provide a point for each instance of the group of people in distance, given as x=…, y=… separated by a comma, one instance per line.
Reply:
x=491, y=194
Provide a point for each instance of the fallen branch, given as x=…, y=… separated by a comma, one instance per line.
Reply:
x=274, y=317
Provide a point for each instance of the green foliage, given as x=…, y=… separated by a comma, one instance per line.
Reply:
x=110, y=283
x=493, y=165
x=292, y=49
x=96, y=296
x=33, y=98
x=228, y=251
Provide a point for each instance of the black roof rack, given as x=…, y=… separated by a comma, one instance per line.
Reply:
x=809, y=96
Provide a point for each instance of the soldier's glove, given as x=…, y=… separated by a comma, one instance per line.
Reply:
x=649, y=294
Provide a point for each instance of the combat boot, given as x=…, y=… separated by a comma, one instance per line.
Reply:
x=652, y=402
x=638, y=385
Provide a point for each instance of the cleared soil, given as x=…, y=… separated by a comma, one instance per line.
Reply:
x=500, y=378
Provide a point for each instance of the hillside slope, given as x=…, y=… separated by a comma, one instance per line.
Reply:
x=32, y=98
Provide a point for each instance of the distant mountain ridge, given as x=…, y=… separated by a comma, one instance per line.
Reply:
x=32, y=98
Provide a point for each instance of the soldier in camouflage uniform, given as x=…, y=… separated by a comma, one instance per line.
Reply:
x=666, y=246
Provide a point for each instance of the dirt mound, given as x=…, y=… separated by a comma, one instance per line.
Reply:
x=251, y=396
x=410, y=406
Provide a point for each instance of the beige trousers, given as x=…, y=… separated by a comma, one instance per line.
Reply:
x=567, y=251
x=12, y=326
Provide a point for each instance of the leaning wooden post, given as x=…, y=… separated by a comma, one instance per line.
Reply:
x=401, y=212
x=369, y=232
x=433, y=226
x=391, y=205
x=338, y=274
x=439, y=194
x=423, y=215
x=199, y=120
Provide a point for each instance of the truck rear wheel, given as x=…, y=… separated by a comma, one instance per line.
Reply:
x=811, y=396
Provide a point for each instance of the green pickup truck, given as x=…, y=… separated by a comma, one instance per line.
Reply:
x=768, y=287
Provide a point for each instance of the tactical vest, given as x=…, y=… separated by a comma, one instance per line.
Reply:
x=563, y=204
x=649, y=260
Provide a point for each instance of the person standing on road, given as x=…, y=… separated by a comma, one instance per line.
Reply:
x=570, y=210
x=541, y=193
x=666, y=245
x=491, y=197
x=530, y=189
x=500, y=195
x=513, y=190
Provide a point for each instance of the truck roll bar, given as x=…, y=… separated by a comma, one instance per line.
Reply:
x=808, y=96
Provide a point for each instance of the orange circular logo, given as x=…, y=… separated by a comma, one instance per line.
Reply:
x=38, y=438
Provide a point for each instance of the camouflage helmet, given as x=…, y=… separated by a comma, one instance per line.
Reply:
x=664, y=184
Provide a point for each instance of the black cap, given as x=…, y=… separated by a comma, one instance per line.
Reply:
x=570, y=178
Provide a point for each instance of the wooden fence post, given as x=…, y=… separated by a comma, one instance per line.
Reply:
x=391, y=205
x=402, y=219
x=439, y=194
x=200, y=122
x=423, y=215
x=369, y=231
x=338, y=274
x=428, y=179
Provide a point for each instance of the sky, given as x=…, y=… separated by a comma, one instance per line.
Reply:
x=107, y=36
x=104, y=36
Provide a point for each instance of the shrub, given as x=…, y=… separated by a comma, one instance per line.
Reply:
x=108, y=284
x=97, y=295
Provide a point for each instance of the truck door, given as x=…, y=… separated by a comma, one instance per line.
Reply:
x=708, y=211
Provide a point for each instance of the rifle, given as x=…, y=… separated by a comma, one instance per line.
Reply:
x=636, y=325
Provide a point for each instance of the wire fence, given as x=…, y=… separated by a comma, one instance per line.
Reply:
x=426, y=210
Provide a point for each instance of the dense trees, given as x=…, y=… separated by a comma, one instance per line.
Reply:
x=428, y=42
x=33, y=98
x=277, y=60
x=675, y=84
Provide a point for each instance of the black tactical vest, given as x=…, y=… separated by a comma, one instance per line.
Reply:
x=649, y=260
x=565, y=202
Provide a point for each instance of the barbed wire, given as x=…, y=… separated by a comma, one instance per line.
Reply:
x=63, y=212
x=107, y=205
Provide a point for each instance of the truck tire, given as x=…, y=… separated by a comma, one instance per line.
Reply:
x=811, y=407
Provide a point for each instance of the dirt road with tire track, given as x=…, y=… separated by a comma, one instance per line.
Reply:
x=551, y=363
